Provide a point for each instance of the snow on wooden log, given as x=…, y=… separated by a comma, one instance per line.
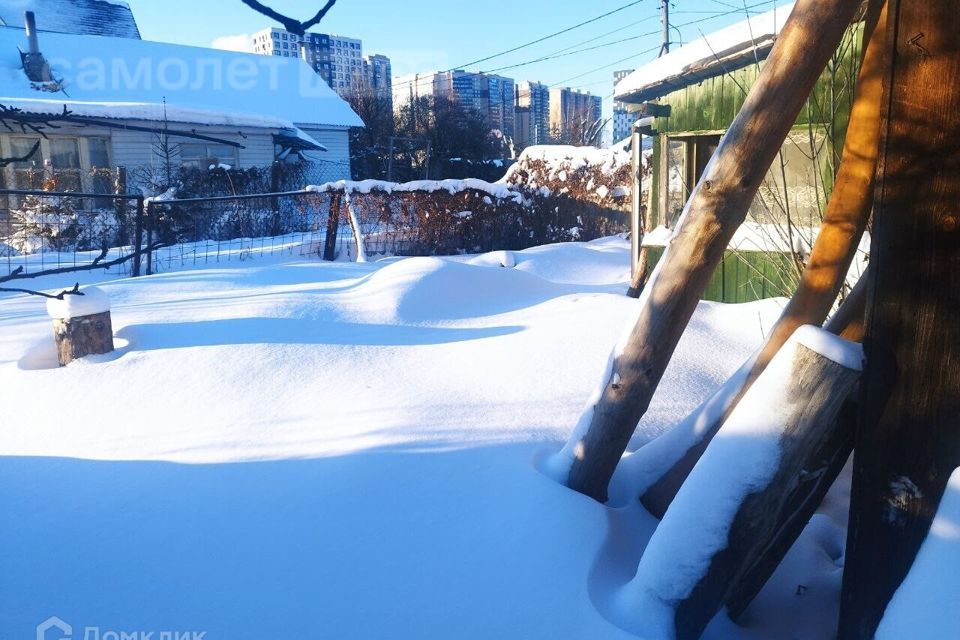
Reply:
x=925, y=605
x=717, y=207
x=81, y=324
x=725, y=524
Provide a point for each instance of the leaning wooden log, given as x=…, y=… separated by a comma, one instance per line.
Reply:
x=81, y=325
x=820, y=472
x=688, y=436
x=844, y=222
x=725, y=529
x=716, y=209
x=908, y=432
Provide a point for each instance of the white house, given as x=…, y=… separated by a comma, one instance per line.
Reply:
x=120, y=94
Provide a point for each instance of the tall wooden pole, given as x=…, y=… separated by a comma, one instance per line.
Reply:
x=844, y=222
x=716, y=209
x=908, y=433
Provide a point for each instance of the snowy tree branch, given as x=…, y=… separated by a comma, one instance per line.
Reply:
x=8, y=161
x=290, y=24
x=18, y=273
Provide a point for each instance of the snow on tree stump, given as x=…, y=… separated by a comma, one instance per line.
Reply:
x=81, y=325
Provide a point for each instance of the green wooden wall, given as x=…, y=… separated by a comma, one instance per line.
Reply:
x=711, y=105
x=744, y=276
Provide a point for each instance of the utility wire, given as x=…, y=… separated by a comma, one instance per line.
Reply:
x=686, y=24
x=565, y=52
x=543, y=39
x=552, y=35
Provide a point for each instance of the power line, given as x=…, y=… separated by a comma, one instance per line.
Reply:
x=564, y=52
x=552, y=35
x=544, y=38
x=659, y=47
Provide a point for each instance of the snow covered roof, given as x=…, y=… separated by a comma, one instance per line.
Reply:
x=89, y=17
x=716, y=53
x=133, y=79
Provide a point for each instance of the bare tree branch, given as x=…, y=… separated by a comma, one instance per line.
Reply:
x=60, y=296
x=18, y=273
x=8, y=161
x=290, y=24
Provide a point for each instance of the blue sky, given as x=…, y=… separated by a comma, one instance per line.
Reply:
x=425, y=35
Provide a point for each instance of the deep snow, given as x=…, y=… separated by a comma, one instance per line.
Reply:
x=289, y=447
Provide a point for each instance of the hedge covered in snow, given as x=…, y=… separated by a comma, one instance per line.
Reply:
x=588, y=174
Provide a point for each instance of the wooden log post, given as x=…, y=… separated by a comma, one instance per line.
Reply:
x=81, y=324
x=716, y=209
x=733, y=520
x=908, y=432
x=333, y=227
x=843, y=225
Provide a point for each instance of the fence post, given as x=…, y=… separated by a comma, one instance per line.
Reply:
x=120, y=205
x=138, y=237
x=149, y=221
x=275, y=187
x=333, y=227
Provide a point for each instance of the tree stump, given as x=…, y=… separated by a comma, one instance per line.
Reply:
x=81, y=325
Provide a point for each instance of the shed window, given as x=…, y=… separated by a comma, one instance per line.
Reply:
x=794, y=189
x=678, y=187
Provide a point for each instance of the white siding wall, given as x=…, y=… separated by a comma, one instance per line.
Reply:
x=135, y=148
x=333, y=164
x=131, y=149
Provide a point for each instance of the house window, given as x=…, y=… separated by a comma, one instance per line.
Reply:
x=27, y=174
x=65, y=163
x=206, y=155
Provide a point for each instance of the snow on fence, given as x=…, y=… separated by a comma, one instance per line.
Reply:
x=336, y=221
x=445, y=217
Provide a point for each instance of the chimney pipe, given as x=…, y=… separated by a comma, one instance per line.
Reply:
x=34, y=64
x=31, y=21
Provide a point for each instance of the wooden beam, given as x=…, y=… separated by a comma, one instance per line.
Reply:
x=908, y=433
x=716, y=209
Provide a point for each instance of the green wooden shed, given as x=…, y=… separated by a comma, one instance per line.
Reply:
x=686, y=99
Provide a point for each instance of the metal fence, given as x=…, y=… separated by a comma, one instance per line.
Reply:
x=195, y=231
x=44, y=231
x=57, y=232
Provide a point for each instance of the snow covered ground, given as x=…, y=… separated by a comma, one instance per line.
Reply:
x=284, y=447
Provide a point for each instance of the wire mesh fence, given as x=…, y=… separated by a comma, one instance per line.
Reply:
x=43, y=232
x=194, y=231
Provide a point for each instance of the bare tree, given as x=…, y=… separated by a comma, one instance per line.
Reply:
x=370, y=144
x=581, y=128
x=290, y=24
